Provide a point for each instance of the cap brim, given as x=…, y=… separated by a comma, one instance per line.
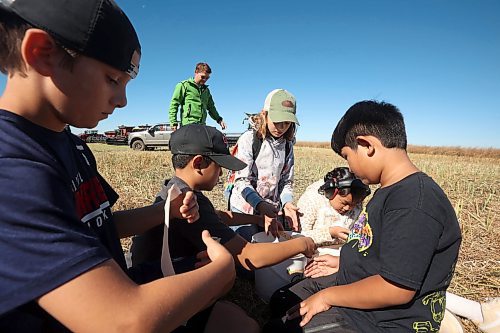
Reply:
x=279, y=117
x=228, y=162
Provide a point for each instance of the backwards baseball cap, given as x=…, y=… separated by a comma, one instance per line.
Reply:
x=197, y=139
x=281, y=106
x=95, y=28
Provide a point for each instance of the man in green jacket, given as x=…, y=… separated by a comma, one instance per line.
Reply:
x=194, y=99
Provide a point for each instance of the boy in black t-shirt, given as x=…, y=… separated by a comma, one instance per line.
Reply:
x=400, y=256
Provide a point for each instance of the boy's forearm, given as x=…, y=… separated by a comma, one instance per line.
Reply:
x=234, y=218
x=370, y=293
x=139, y=220
x=188, y=293
x=258, y=255
x=113, y=301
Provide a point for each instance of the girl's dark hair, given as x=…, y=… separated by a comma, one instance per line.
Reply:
x=340, y=173
x=345, y=182
x=379, y=119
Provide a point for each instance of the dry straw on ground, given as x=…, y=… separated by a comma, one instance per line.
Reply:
x=471, y=181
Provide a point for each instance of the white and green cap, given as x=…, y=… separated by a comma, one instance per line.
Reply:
x=281, y=106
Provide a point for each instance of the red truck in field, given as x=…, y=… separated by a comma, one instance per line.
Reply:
x=119, y=136
x=91, y=136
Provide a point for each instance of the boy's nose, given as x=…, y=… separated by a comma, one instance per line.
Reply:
x=120, y=99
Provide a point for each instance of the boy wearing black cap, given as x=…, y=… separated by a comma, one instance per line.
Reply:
x=62, y=267
x=199, y=153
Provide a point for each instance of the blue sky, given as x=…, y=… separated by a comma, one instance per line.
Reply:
x=437, y=60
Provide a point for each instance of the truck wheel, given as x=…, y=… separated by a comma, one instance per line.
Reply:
x=138, y=145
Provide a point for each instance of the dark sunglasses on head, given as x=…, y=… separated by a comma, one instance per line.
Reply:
x=332, y=187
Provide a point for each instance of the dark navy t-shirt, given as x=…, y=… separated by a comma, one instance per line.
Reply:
x=55, y=218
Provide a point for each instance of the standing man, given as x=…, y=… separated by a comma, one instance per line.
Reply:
x=194, y=99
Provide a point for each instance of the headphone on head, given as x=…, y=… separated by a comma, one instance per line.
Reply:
x=333, y=185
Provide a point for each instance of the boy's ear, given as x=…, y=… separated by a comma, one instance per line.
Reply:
x=367, y=143
x=40, y=51
x=197, y=162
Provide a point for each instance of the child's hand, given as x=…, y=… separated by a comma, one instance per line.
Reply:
x=215, y=253
x=339, y=232
x=322, y=266
x=267, y=209
x=185, y=207
x=312, y=306
x=292, y=216
x=309, y=246
x=272, y=225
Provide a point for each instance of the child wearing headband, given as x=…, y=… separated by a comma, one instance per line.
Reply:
x=330, y=206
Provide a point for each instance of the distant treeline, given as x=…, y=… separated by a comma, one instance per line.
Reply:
x=451, y=151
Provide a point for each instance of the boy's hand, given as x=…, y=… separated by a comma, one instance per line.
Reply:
x=215, y=251
x=292, y=216
x=309, y=246
x=218, y=253
x=322, y=266
x=339, y=232
x=185, y=207
x=267, y=209
x=271, y=225
x=313, y=305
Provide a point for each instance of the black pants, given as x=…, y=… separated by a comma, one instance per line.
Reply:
x=290, y=296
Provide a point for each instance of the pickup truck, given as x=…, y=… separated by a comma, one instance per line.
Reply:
x=159, y=136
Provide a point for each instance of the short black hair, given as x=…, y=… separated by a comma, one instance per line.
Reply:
x=180, y=161
x=379, y=119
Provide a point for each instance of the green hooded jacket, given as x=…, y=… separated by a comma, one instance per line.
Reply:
x=194, y=102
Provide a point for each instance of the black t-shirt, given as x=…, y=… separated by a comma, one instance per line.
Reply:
x=55, y=217
x=408, y=234
x=185, y=238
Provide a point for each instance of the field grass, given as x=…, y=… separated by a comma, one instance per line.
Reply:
x=471, y=181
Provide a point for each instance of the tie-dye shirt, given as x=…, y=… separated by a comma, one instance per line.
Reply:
x=269, y=177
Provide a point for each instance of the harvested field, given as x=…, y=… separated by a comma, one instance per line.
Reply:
x=471, y=181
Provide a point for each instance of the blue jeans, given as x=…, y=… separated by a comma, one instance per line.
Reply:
x=245, y=230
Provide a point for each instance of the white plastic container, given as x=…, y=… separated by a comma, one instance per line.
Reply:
x=270, y=279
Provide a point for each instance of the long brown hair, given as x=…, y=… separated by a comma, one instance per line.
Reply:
x=260, y=125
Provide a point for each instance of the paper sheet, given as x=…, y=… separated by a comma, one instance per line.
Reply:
x=166, y=262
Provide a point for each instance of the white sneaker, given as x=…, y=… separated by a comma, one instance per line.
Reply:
x=491, y=316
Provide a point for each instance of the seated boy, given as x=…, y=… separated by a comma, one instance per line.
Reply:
x=198, y=154
x=62, y=267
x=400, y=255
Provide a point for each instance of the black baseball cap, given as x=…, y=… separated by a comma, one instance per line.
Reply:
x=197, y=139
x=95, y=28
